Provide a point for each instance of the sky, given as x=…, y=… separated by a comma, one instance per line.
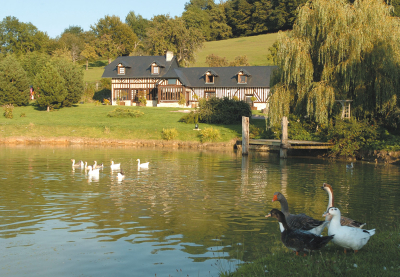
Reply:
x=54, y=16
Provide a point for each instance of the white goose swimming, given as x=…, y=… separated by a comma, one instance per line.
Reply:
x=143, y=165
x=344, y=221
x=80, y=164
x=93, y=172
x=345, y=236
x=120, y=176
x=115, y=166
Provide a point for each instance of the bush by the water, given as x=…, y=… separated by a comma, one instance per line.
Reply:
x=209, y=135
x=218, y=111
x=169, y=134
x=350, y=136
x=120, y=112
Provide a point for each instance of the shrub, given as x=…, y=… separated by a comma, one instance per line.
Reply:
x=106, y=101
x=169, y=134
x=192, y=118
x=142, y=97
x=350, y=136
x=222, y=111
x=120, y=112
x=8, y=111
x=182, y=100
x=209, y=134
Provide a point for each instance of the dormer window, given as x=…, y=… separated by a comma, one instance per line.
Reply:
x=242, y=77
x=209, y=79
x=155, y=69
x=121, y=69
x=209, y=76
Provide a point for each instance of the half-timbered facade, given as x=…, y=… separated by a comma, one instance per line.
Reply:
x=164, y=83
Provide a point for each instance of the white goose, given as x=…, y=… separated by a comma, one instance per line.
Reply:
x=143, y=165
x=97, y=165
x=120, y=176
x=349, y=166
x=115, y=166
x=344, y=221
x=345, y=236
x=93, y=172
x=80, y=164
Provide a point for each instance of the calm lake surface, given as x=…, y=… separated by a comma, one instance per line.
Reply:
x=192, y=213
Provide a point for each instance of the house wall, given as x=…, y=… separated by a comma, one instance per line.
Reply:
x=131, y=84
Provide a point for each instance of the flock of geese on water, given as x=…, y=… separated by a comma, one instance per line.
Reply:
x=93, y=171
x=302, y=233
x=299, y=232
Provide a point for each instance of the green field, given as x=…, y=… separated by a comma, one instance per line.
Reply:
x=91, y=121
x=255, y=48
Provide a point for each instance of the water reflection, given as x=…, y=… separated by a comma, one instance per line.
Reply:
x=187, y=211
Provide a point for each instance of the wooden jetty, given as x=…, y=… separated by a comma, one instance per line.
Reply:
x=283, y=145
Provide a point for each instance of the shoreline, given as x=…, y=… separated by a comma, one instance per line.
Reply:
x=377, y=156
x=69, y=141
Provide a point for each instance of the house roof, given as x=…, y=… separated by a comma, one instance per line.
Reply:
x=139, y=66
x=258, y=76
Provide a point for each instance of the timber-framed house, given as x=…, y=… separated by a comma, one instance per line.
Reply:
x=164, y=83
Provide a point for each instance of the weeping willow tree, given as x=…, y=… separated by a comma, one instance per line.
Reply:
x=338, y=50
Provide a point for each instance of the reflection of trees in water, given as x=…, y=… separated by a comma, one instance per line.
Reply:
x=199, y=201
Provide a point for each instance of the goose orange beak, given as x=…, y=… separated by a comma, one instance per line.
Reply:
x=268, y=215
x=275, y=198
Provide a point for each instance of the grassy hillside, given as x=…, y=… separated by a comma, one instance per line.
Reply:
x=255, y=48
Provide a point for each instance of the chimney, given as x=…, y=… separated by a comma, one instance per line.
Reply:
x=169, y=55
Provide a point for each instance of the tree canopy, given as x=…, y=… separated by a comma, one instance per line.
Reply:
x=338, y=50
x=14, y=84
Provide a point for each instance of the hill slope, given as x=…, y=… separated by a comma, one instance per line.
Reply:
x=255, y=48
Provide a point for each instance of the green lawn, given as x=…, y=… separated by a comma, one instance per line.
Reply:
x=91, y=121
x=255, y=48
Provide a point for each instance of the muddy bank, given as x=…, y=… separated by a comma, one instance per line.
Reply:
x=116, y=142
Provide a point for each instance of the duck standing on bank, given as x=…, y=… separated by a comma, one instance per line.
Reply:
x=296, y=239
x=345, y=236
x=299, y=221
x=344, y=221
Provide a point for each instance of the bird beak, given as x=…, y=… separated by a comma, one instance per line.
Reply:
x=275, y=198
x=268, y=215
x=326, y=214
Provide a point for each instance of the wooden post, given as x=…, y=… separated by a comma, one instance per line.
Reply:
x=245, y=135
x=284, y=139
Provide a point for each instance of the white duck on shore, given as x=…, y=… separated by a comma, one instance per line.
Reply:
x=345, y=236
x=344, y=221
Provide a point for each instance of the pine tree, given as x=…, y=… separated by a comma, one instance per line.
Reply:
x=73, y=77
x=50, y=87
x=14, y=84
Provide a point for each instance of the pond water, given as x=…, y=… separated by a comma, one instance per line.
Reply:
x=192, y=213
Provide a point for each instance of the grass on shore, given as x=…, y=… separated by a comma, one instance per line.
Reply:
x=91, y=121
x=379, y=257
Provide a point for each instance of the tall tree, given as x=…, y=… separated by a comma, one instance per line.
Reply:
x=73, y=43
x=20, y=38
x=138, y=24
x=338, y=50
x=14, y=84
x=119, y=34
x=89, y=54
x=50, y=87
x=167, y=33
x=73, y=79
x=33, y=63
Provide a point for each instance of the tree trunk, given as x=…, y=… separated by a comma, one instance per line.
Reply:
x=48, y=108
x=87, y=64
